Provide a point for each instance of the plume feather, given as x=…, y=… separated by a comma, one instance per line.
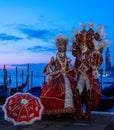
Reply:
x=100, y=28
x=91, y=24
x=76, y=31
x=103, y=36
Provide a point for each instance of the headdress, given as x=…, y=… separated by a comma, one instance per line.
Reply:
x=93, y=39
x=61, y=42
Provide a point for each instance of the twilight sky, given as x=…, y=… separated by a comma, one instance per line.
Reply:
x=28, y=27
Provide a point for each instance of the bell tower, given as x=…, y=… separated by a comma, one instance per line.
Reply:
x=107, y=60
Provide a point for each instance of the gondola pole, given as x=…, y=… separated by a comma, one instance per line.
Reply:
x=5, y=78
x=31, y=79
x=22, y=77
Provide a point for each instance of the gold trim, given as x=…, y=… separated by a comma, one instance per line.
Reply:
x=58, y=111
x=52, y=98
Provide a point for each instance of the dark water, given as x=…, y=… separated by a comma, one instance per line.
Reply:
x=106, y=104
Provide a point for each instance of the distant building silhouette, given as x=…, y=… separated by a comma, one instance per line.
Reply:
x=107, y=60
x=108, y=72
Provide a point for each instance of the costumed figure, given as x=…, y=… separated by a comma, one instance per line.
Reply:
x=57, y=95
x=87, y=48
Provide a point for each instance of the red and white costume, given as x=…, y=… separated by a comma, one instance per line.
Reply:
x=88, y=52
x=86, y=75
x=57, y=95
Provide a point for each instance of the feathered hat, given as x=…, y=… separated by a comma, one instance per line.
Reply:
x=91, y=38
x=61, y=42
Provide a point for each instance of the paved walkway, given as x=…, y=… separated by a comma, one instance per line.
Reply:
x=98, y=121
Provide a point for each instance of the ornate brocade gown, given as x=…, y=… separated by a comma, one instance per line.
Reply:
x=57, y=95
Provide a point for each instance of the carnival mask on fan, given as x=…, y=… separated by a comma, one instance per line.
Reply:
x=96, y=59
x=83, y=47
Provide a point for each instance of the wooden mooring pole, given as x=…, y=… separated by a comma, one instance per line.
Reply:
x=22, y=77
x=5, y=78
x=31, y=79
